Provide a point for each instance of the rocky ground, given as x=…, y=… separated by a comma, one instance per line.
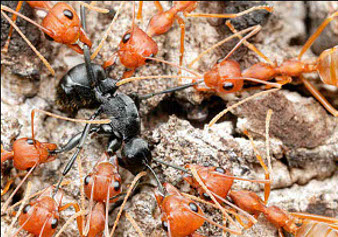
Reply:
x=303, y=136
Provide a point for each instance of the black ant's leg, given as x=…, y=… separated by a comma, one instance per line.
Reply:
x=114, y=144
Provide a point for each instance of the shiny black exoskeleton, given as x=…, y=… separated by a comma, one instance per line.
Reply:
x=124, y=128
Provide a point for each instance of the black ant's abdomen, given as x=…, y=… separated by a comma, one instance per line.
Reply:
x=74, y=90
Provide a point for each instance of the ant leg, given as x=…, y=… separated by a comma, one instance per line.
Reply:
x=250, y=29
x=5, y=205
x=139, y=12
x=315, y=35
x=182, y=26
x=83, y=138
x=249, y=45
x=77, y=209
x=42, y=58
x=134, y=224
x=312, y=89
x=280, y=232
x=231, y=15
x=329, y=220
x=158, y=6
x=222, y=113
x=267, y=186
x=97, y=50
x=18, y=7
x=129, y=191
x=9, y=183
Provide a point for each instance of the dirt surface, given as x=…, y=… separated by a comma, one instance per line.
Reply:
x=303, y=136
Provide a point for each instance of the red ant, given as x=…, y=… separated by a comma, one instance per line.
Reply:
x=163, y=20
x=325, y=66
x=101, y=185
x=61, y=24
x=41, y=216
x=180, y=215
x=28, y=153
x=134, y=47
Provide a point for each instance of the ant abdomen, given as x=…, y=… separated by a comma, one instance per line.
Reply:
x=327, y=66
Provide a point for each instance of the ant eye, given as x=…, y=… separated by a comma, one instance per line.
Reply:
x=165, y=226
x=68, y=14
x=220, y=170
x=220, y=60
x=149, y=60
x=30, y=141
x=48, y=37
x=206, y=196
x=228, y=86
x=193, y=207
x=55, y=223
x=26, y=209
x=87, y=180
x=116, y=185
x=126, y=37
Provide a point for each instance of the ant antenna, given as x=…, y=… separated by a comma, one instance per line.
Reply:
x=137, y=177
x=94, y=8
x=97, y=50
x=171, y=165
x=42, y=58
x=178, y=88
x=90, y=72
x=134, y=224
x=159, y=184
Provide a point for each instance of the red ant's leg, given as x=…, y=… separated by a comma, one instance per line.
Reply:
x=158, y=6
x=9, y=183
x=231, y=15
x=329, y=220
x=79, y=219
x=5, y=48
x=267, y=187
x=315, y=35
x=312, y=89
x=182, y=26
x=280, y=232
x=249, y=45
x=139, y=12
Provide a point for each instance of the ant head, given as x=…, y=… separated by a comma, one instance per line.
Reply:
x=104, y=180
x=40, y=217
x=64, y=26
x=185, y=214
x=135, y=154
x=28, y=152
x=135, y=46
x=220, y=77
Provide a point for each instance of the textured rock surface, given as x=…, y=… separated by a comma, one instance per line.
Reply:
x=304, y=137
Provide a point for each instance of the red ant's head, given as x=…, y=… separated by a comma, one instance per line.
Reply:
x=64, y=27
x=180, y=214
x=220, y=77
x=104, y=178
x=28, y=152
x=40, y=217
x=134, y=47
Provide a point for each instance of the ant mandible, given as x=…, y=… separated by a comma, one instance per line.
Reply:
x=61, y=24
x=163, y=20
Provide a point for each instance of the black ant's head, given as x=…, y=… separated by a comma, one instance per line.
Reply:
x=135, y=154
